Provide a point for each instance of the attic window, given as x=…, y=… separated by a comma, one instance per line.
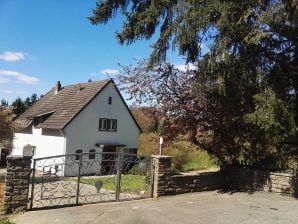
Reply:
x=110, y=100
x=41, y=118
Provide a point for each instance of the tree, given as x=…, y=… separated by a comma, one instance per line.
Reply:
x=167, y=89
x=5, y=124
x=4, y=103
x=18, y=107
x=251, y=68
x=29, y=101
x=147, y=117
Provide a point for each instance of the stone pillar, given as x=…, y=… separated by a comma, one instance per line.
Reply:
x=17, y=184
x=162, y=174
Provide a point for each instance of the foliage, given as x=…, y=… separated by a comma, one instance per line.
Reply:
x=29, y=101
x=181, y=153
x=147, y=118
x=6, y=221
x=199, y=160
x=170, y=91
x=187, y=156
x=148, y=144
x=8, y=113
x=4, y=103
x=242, y=99
x=6, y=127
x=19, y=106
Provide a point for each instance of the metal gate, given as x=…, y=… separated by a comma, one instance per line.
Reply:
x=90, y=178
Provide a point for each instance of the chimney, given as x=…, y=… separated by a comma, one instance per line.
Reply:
x=58, y=87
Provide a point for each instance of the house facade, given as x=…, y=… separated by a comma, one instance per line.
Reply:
x=80, y=118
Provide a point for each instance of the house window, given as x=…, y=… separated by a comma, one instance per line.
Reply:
x=105, y=124
x=92, y=154
x=110, y=100
x=78, y=152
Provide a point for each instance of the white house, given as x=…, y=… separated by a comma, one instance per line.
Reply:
x=85, y=117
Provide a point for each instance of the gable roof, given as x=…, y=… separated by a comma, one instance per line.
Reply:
x=61, y=108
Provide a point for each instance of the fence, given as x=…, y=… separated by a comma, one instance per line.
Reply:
x=162, y=181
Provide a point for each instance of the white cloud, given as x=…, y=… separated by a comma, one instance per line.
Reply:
x=12, y=56
x=109, y=71
x=6, y=91
x=92, y=74
x=186, y=67
x=20, y=77
x=4, y=80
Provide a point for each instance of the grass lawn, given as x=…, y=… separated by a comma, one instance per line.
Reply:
x=129, y=183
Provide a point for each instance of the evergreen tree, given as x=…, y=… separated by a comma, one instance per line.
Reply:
x=18, y=107
x=4, y=103
x=246, y=85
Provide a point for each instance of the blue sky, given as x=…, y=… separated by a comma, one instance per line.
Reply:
x=42, y=41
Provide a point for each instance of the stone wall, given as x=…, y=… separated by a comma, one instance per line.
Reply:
x=207, y=181
x=17, y=184
x=228, y=178
x=246, y=179
x=162, y=175
x=165, y=183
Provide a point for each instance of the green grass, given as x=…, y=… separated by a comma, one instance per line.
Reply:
x=129, y=183
x=6, y=221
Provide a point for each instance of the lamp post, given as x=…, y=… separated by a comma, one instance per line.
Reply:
x=160, y=145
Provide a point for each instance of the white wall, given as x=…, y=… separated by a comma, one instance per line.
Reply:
x=82, y=132
x=47, y=144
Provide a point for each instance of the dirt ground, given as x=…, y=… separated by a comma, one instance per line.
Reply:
x=2, y=184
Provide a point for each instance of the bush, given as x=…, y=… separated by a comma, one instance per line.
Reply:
x=148, y=144
x=199, y=160
x=6, y=221
x=187, y=156
x=181, y=152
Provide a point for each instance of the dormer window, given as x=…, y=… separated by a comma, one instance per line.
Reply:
x=110, y=100
x=41, y=118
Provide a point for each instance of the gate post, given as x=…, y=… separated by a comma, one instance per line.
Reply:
x=162, y=174
x=78, y=180
x=17, y=184
x=118, y=177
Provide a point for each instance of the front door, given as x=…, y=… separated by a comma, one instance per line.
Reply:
x=108, y=164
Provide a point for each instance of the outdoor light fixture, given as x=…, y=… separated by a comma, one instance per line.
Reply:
x=160, y=145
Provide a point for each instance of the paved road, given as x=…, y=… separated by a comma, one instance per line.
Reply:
x=199, y=208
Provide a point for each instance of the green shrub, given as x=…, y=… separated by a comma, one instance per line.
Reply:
x=148, y=144
x=181, y=152
x=6, y=221
x=200, y=160
x=187, y=156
